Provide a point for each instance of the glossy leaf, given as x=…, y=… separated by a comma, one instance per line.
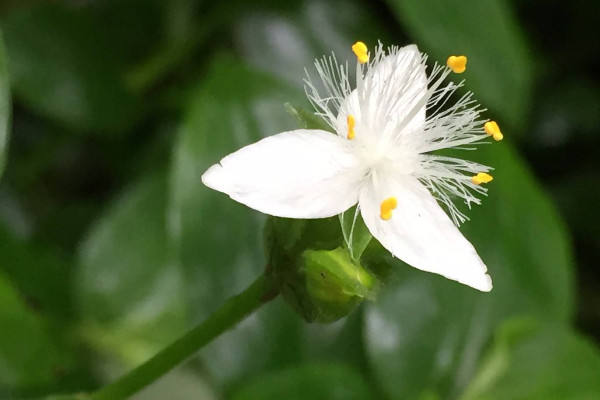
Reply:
x=39, y=273
x=548, y=363
x=4, y=104
x=128, y=289
x=219, y=241
x=234, y=107
x=427, y=333
x=63, y=67
x=29, y=354
x=499, y=69
x=297, y=33
x=332, y=382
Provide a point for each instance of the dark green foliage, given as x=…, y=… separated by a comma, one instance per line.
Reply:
x=111, y=247
x=4, y=104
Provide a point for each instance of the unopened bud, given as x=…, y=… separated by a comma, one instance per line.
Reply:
x=335, y=284
x=316, y=276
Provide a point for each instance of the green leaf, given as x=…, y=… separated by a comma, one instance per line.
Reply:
x=4, y=105
x=39, y=274
x=307, y=119
x=234, y=107
x=297, y=33
x=180, y=36
x=128, y=288
x=64, y=67
x=499, y=71
x=547, y=363
x=29, y=355
x=319, y=381
x=219, y=241
x=426, y=333
x=519, y=233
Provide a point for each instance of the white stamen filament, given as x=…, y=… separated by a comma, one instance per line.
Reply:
x=379, y=96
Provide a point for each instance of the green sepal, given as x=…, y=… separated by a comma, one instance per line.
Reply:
x=307, y=119
x=356, y=234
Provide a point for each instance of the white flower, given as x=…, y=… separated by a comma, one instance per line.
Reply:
x=387, y=127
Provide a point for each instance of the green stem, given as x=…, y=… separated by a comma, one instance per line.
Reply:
x=233, y=311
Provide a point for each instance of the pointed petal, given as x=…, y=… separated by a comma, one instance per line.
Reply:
x=297, y=174
x=401, y=81
x=420, y=233
x=392, y=88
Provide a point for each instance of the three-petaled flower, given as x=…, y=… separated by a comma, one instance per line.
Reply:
x=387, y=127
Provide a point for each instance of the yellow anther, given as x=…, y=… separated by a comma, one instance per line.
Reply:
x=492, y=129
x=351, y=123
x=386, y=208
x=458, y=64
x=482, y=177
x=360, y=49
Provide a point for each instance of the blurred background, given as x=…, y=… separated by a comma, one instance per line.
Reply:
x=110, y=247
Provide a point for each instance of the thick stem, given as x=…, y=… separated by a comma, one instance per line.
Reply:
x=233, y=311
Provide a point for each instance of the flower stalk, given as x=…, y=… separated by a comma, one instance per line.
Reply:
x=231, y=313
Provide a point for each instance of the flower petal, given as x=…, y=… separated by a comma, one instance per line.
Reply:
x=393, y=86
x=297, y=174
x=419, y=232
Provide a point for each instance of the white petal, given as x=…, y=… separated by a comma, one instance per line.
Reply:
x=420, y=233
x=392, y=89
x=297, y=174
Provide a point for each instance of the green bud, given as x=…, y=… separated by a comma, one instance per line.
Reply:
x=335, y=283
x=319, y=278
x=315, y=275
